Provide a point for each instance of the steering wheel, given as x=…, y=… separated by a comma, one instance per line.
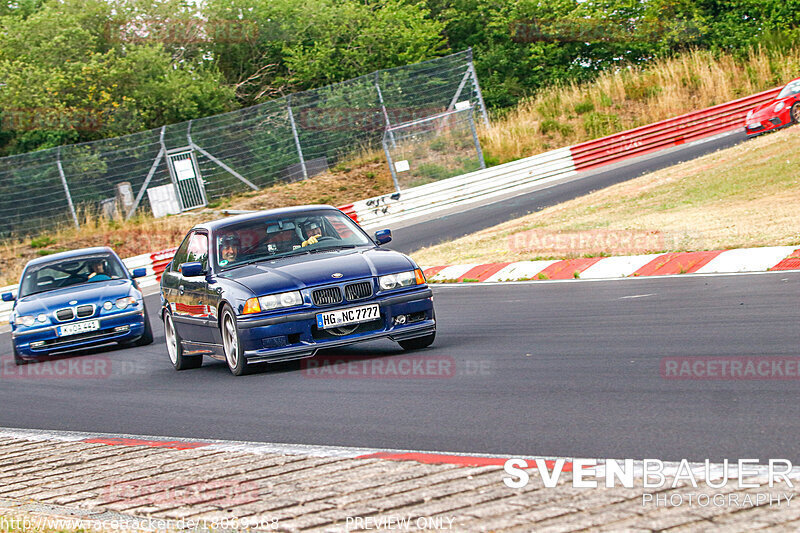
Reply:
x=325, y=238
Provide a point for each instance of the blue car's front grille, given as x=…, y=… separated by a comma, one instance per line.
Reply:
x=328, y=296
x=85, y=310
x=62, y=315
x=358, y=291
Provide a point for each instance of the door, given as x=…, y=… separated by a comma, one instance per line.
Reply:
x=196, y=313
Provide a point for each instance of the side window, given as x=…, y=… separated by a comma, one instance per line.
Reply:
x=198, y=249
x=181, y=253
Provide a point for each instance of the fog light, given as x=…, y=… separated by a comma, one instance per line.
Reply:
x=120, y=329
x=37, y=344
x=400, y=319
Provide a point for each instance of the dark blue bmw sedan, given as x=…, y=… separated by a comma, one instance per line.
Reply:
x=279, y=285
x=73, y=300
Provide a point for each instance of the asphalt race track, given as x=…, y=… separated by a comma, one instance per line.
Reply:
x=544, y=368
x=436, y=229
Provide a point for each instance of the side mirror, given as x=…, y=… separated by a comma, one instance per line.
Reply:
x=192, y=270
x=139, y=272
x=383, y=236
x=8, y=297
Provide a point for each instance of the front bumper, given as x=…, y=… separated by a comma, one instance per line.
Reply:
x=296, y=336
x=119, y=327
x=754, y=128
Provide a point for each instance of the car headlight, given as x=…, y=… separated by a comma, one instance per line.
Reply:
x=778, y=107
x=122, y=303
x=27, y=320
x=402, y=279
x=273, y=301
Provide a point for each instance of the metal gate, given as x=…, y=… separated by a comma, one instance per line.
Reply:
x=187, y=179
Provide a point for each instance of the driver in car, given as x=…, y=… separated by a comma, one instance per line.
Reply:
x=98, y=271
x=228, y=249
x=313, y=232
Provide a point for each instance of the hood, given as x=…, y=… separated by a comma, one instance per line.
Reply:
x=96, y=293
x=765, y=111
x=303, y=271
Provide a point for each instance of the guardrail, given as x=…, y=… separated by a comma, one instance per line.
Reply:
x=502, y=179
x=667, y=133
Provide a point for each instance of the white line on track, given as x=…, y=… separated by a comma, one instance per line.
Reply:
x=600, y=280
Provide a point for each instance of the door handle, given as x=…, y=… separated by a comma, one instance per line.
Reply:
x=180, y=289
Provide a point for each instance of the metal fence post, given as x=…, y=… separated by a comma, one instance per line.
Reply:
x=296, y=137
x=391, y=163
x=477, y=86
x=467, y=74
x=385, y=114
x=162, y=151
x=476, y=140
x=66, y=187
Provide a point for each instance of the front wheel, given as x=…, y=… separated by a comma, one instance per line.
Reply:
x=175, y=349
x=418, y=343
x=19, y=361
x=794, y=113
x=147, y=336
x=234, y=355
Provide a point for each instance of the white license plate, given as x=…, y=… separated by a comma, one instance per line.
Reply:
x=343, y=317
x=78, y=327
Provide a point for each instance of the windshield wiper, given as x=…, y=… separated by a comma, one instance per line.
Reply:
x=329, y=248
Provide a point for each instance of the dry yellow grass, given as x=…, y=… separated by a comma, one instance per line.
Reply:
x=617, y=101
x=744, y=196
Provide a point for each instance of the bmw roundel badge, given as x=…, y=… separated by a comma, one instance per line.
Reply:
x=336, y=275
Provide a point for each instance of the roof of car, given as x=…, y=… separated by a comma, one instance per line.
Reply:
x=70, y=254
x=215, y=225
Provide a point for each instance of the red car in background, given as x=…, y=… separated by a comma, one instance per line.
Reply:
x=781, y=112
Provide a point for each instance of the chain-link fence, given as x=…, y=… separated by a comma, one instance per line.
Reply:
x=433, y=148
x=182, y=166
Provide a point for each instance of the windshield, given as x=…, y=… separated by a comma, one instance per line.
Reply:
x=793, y=87
x=273, y=237
x=67, y=272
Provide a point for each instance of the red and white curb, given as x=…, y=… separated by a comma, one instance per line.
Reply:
x=773, y=258
x=566, y=464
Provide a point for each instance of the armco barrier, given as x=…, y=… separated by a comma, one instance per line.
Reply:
x=474, y=186
x=502, y=179
x=667, y=133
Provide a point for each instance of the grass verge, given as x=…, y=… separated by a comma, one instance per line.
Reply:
x=740, y=197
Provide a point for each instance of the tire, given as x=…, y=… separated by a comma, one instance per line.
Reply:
x=175, y=349
x=147, y=336
x=19, y=361
x=794, y=112
x=418, y=343
x=231, y=344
